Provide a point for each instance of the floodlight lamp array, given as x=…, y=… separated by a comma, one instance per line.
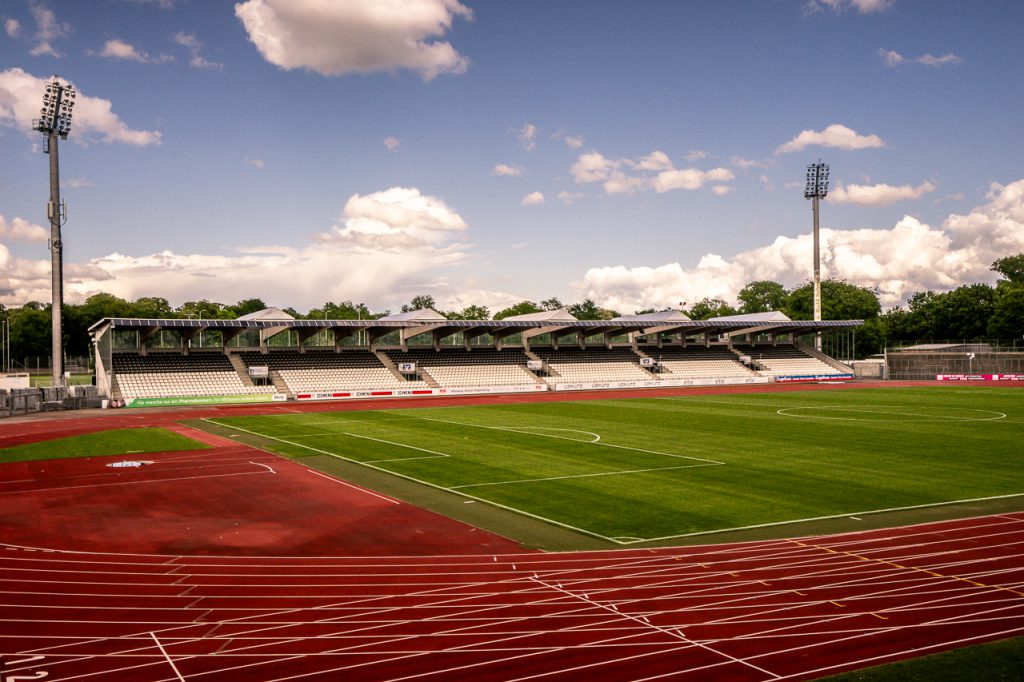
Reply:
x=817, y=181
x=55, y=115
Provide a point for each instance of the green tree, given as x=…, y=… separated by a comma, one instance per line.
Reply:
x=205, y=309
x=249, y=305
x=152, y=307
x=421, y=302
x=1011, y=268
x=840, y=300
x=762, y=296
x=551, y=304
x=1007, y=320
x=964, y=312
x=472, y=312
x=706, y=308
x=588, y=310
x=521, y=308
x=31, y=331
x=346, y=310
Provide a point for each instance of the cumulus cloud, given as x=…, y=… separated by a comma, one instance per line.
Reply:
x=533, y=199
x=505, y=170
x=383, y=242
x=908, y=257
x=338, y=37
x=836, y=135
x=118, y=49
x=653, y=171
x=94, y=118
x=893, y=59
x=12, y=27
x=21, y=230
x=392, y=143
x=878, y=195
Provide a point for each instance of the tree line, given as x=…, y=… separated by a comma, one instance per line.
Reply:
x=970, y=312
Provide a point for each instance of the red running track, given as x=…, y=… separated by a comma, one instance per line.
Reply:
x=781, y=609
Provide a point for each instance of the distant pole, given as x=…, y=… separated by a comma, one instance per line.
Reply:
x=55, y=122
x=815, y=190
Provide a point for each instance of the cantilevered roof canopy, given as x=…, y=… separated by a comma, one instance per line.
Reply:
x=655, y=323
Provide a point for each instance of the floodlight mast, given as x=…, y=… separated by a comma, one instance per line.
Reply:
x=55, y=121
x=815, y=190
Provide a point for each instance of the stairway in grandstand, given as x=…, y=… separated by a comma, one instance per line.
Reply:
x=791, y=360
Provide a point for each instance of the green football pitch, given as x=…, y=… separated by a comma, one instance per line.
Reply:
x=640, y=470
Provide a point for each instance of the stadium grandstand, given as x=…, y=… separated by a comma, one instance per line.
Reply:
x=271, y=356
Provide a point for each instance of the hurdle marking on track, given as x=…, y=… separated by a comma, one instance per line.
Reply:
x=910, y=568
x=676, y=632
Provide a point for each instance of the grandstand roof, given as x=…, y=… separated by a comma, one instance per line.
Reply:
x=424, y=315
x=268, y=314
x=440, y=326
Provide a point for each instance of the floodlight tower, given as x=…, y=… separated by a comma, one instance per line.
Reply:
x=815, y=190
x=55, y=121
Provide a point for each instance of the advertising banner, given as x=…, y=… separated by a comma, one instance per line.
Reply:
x=186, y=400
x=658, y=383
x=797, y=378
x=979, y=377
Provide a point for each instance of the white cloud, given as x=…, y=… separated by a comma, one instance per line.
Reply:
x=48, y=29
x=722, y=190
x=21, y=230
x=908, y=257
x=118, y=49
x=527, y=136
x=836, y=135
x=574, y=141
x=505, y=170
x=696, y=155
x=878, y=195
x=12, y=27
x=533, y=199
x=392, y=143
x=860, y=6
x=893, y=59
x=569, y=197
x=337, y=37
x=384, y=241
x=747, y=164
x=93, y=118
x=656, y=161
x=195, y=48
x=653, y=171
x=256, y=163
x=689, y=178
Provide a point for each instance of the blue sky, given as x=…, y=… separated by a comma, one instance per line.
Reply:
x=640, y=153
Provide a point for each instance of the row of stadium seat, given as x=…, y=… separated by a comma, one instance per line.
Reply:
x=321, y=370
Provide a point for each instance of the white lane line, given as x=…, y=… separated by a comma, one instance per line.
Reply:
x=105, y=485
x=168, y=658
